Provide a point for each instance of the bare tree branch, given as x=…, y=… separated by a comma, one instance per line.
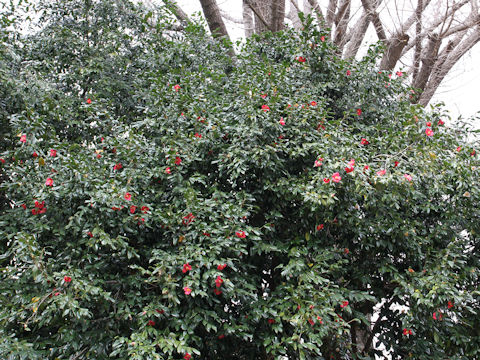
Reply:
x=375, y=19
x=258, y=14
x=332, y=5
x=226, y=16
x=341, y=22
x=394, y=51
x=214, y=19
x=177, y=11
x=316, y=7
x=440, y=73
x=428, y=60
x=247, y=19
x=356, y=35
x=418, y=41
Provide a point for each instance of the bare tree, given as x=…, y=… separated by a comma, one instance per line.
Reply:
x=426, y=44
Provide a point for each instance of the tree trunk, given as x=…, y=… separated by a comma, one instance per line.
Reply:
x=214, y=19
x=278, y=15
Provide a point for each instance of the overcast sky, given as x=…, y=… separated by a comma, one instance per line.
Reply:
x=460, y=90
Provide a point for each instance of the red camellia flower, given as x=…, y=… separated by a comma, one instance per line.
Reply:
x=168, y=170
x=265, y=108
x=187, y=356
x=178, y=160
x=399, y=73
x=117, y=166
x=145, y=209
x=441, y=122
x=318, y=162
x=23, y=138
x=128, y=196
x=359, y=112
x=217, y=291
x=336, y=178
x=151, y=323
x=67, y=279
x=176, y=87
x=473, y=153
x=349, y=169
x=366, y=167
x=35, y=154
x=24, y=206
x=221, y=336
x=89, y=101
x=407, y=177
x=322, y=39
x=99, y=156
x=381, y=172
x=459, y=148
x=221, y=267
x=271, y=321
x=405, y=331
x=187, y=290
x=320, y=227
x=326, y=180
x=396, y=164
x=346, y=251
x=313, y=103
x=429, y=123
x=133, y=208
x=218, y=281
x=241, y=234
x=311, y=321
x=301, y=59
x=49, y=182
x=344, y=304
x=186, y=267
x=89, y=233
x=349, y=73
x=282, y=122
x=187, y=219
x=364, y=141
x=197, y=135
x=2, y=161
x=429, y=132
x=450, y=304
x=53, y=152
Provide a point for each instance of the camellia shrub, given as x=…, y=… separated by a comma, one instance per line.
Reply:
x=163, y=200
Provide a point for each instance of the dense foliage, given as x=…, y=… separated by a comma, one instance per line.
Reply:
x=162, y=200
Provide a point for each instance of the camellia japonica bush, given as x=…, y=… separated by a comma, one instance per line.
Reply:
x=160, y=199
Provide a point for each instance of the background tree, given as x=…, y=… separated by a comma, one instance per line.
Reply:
x=424, y=39
x=162, y=201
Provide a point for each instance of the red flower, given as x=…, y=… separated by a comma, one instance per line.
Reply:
x=263, y=96
x=271, y=321
x=349, y=169
x=221, y=336
x=178, y=161
x=67, y=279
x=282, y=122
x=133, y=208
x=405, y=331
x=99, y=156
x=336, y=177
x=117, y=166
x=168, y=170
x=221, y=267
x=407, y=177
x=428, y=132
x=186, y=267
x=90, y=234
x=151, y=323
x=145, y=209
x=450, y=304
x=128, y=196
x=35, y=154
x=89, y=101
x=313, y=103
x=49, y=182
x=396, y=164
x=459, y=148
x=473, y=153
x=346, y=251
x=23, y=138
x=366, y=167
x=429, y=123
x=218, y=281
x=24, y=206
x=188, y=219
x=53, y=152
x=381, y=172
x=349, y=73
x=265, y=108
x=441, y=122
x=217, y=292
x=197, y=135
x=176, y=87
x=241, y=234
x=320, y=227
x=2, y=161
x=364, y=141
x=187, y=356
x=187, y=290
x=344, y=304
x=322, y=39
x=326, y=180
x=311, y=321
x=318, y=162
x=399, y=73
x=359, y=112
x=301, y=59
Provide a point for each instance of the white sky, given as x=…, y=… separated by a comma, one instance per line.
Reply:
x=459, y=90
